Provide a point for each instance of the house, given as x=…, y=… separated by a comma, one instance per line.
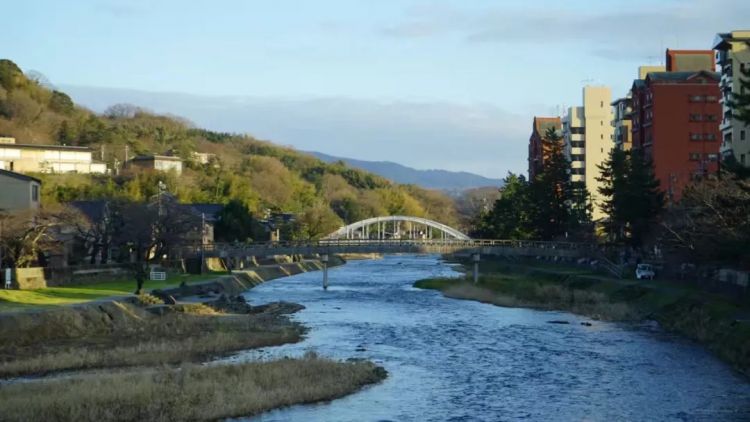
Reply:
x=27, y=158
x=209, y=214
x=19, y=192
x=158, y=163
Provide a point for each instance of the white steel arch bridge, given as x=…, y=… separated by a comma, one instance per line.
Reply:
x=390, y=227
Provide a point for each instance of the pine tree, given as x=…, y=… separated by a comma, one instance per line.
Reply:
x=644, y=200
x=613, y=178
x=552, y=198
x=509, y=217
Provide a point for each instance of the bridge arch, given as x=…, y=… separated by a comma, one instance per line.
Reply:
x=361, y=229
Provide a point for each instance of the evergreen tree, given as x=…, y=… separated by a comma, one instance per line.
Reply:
x=552, y=197
x=509, y=217
x=613, y=178
x=644, y=200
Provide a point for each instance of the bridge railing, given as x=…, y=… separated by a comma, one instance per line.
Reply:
x=269, y=247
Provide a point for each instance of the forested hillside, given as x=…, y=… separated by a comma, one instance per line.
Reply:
x=259, y=174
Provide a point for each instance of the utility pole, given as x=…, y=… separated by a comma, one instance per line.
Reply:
x=203, y=239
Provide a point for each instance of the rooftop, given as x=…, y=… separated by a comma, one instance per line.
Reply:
x=45, y=147
x=155, y=157
x=19, y=176
x=680, y=76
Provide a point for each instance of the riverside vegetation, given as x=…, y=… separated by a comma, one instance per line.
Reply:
x=259, y=175
x=150, y=360
x=718, y=322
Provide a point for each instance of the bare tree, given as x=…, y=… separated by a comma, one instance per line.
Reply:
x=25, y=236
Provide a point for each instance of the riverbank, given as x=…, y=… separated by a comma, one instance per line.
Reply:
x=136, y=357
x=720, y=323
x=188, y=392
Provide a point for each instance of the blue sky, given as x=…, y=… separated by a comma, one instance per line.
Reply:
x=440, y=84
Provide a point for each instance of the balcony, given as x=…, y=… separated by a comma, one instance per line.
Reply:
x=577, y=164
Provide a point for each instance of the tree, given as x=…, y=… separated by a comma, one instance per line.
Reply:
x=711, y=223
x=644, y=199
x=552, y=199
x=10, y=75
x=25, y=236
x=316, y=222
x=236, y=223
x=614, y=191
x=61, y=103
x=510, y=214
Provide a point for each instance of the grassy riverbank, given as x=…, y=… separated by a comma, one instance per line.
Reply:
x=189, y=392
x=720, y=323
x=14, y=300
x=121, y=334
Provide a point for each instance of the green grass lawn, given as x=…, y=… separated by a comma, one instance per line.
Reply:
x=55, y=296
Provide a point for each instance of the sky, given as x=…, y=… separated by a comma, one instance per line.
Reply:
x=450, y=84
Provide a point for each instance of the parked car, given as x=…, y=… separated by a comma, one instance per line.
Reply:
x=644, y=271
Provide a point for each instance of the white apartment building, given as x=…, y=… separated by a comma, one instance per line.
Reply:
x=733, y=56
x=26, y=158
x=588, y=135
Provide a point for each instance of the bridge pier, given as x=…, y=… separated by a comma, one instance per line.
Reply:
x=475, y=258
x=324, y=260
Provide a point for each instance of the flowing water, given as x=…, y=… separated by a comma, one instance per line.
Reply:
x=455, y=360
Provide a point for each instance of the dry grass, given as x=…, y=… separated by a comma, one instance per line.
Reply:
x=118, y=335
x=188, y=393
x=549, y=297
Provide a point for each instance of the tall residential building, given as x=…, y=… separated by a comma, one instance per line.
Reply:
x=733, y=56
x=621, y=123
x=676, y=124
x=588, y=134
x=537, y=151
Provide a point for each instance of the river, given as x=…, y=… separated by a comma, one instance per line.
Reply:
x=454, y=360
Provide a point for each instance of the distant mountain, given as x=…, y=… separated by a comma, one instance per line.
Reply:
x=431, y=179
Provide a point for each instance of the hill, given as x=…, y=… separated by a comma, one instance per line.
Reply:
x=429, y=179
x=261, y=175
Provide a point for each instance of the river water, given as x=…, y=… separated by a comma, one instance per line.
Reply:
x=454, y=360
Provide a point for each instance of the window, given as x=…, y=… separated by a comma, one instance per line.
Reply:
x=577, y=144
x=579, y=171
x=577, y=157
x=712, y=157
x=35, y=193
x=601, y=136
x=695, y=118
x=709, y=136
x=742, y=135
x=711, y=117
x=696, y=98
x=695, y=156
x=577, y=130
x=695, y=136
x=742, y=159
x=711, y=98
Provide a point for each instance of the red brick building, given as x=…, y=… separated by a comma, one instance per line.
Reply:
x=676, y=123
x=537, y=152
